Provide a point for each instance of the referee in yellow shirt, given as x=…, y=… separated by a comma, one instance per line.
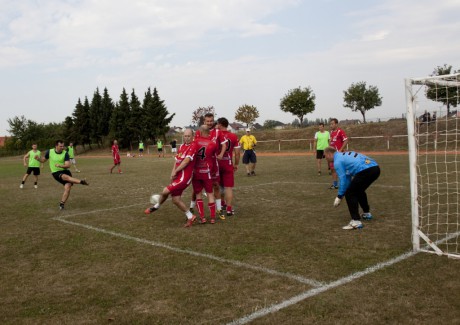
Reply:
x=248, y=142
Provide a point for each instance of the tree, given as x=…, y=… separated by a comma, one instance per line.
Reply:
x=446, y=95
x=199, y=113
x=135, y=118
x=95, y=117
x=271, y=124
x=246, y=114
x=161, y=125
x=107, y=108
x=82, y=122
x=119, y=121
x=299, y=102
x=359, y=98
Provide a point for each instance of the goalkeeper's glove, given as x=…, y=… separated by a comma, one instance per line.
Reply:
x=337, y=201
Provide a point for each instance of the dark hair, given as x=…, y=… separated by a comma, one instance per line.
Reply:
x=208, y=115
x=336, y=121
x=222, y=121
x=58, y=142
x=321, y=124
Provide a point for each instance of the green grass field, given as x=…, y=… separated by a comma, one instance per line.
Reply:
x=283, y=259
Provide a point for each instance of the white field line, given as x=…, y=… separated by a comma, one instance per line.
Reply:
x=290, y=276
x=316, y=291
x=310, y=183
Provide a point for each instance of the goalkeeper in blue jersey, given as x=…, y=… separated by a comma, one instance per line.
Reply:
x=356, y=173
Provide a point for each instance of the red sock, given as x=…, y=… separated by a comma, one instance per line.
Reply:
x=223, y=202
x=229, y=208
x=212, y=209
x=199, y=204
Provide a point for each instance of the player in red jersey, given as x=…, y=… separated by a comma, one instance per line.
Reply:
x=227, y=167
x=339, y=141
x=116, y=157
x=205, y=160
x=181, y=177
x=216, y=136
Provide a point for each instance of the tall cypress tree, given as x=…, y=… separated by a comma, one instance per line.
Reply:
x=120, y=116
x=78, y=117
x=161, y=124
x=107, y=107
x=135, y=118
x=95, y=115
x=148, y=121
x=85, y=130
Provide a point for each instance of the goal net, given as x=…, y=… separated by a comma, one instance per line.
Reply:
x=434, y=163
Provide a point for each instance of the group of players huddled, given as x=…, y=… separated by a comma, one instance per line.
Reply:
x=207, y=160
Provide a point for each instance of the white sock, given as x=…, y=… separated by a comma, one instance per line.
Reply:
x=218, y=204
x=192, y=204
x=157, y=206
x=189, y=215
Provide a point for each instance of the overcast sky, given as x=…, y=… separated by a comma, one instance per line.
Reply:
x=220, y=53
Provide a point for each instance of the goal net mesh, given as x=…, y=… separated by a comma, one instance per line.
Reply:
x=437, y=163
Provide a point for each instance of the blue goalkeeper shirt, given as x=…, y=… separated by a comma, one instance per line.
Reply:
x=348, y=164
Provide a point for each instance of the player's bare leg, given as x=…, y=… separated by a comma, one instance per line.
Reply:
x=163, y=197
x=181, y=205
x=228, y=194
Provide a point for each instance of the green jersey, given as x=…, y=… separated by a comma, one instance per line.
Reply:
x=32, y=161
x=322, y=140
x=56, y=158
x=141, y=145
x=160, y=145
x=71, y=153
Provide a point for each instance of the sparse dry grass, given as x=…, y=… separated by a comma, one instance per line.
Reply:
x=54, y=273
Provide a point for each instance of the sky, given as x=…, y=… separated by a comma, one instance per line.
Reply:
x=221, y=53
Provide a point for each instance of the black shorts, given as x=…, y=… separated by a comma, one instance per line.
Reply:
x=320, y=154
x=58, y=176
x=249, y=156
x=34, y=170
x=141, y=150
x=160, y=149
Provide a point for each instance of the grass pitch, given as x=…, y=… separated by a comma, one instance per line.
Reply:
x=103, y=260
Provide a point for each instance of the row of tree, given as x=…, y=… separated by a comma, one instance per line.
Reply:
x=130, y=120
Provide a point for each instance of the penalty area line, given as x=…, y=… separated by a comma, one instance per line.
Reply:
x=262, y=269
x=316, y=291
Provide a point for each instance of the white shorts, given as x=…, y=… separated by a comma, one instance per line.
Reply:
x=173, y=150
x=73, y=161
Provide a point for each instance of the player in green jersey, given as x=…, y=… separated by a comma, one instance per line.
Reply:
x=33, y=166
x=72, y=152
x=59, y=164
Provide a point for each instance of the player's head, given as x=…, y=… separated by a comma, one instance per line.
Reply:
x=70, y=144
x=204, y=131
x=248, y=131
x=188, y=135
x=222, y=122
x=34, y=146
x=59, y=145
x=209, y=120
x=329, y=153
x=334, y=123
x=321, y=126
x=115, y=142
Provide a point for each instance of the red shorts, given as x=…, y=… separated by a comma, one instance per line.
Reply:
x=201, y=181
x=116, y=160
x=227, y=175
x=331, y=165
x=179, y=184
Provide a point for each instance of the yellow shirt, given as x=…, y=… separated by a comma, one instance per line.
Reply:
x=248, y=142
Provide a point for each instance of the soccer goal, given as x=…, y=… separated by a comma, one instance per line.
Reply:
x=434, y=163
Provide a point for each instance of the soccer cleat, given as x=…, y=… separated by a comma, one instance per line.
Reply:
x=61, y=206
x=21, y=186
x=249, y=174
x=222, y=215
x=354, y=224
x=319, y=173
x=213, y=221
x=333, y=187
x=203, y=220
x=84, y=182
x=367, y=216
x=190, y=222
x=230, y=213
x=253, y=173
x=150, y=210
x=35, y=186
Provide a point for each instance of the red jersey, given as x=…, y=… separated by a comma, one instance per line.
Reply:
x=205, y=156
x=231, y=142
x=338, y=137
x=115, y=151
x=186, y=150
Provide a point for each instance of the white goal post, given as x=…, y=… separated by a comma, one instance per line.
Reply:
x=434, y=160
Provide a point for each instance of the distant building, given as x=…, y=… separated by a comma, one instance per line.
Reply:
x=236, y=126
x=2, y=141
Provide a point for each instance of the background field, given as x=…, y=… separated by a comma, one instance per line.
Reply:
x=103, y=260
